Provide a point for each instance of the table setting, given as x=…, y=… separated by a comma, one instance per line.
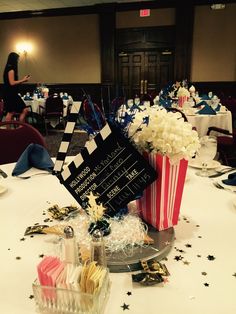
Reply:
x=47, y=218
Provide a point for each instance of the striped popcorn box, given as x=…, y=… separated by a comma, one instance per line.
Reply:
x=160, y=203
x=181, y=100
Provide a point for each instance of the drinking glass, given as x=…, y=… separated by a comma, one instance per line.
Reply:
x=206, y=154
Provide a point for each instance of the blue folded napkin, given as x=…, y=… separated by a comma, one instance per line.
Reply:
x=199, y=104
x=35, y=156
x=207, y=110
x=231, y=179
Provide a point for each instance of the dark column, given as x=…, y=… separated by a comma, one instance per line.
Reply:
x=107, y=49
x=184, y=38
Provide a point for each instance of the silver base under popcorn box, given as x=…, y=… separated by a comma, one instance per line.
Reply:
x=119, y=262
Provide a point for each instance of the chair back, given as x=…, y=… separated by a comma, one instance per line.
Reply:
x=1, y=109
x=15, y=136
x=54, y=106
x=172, y=109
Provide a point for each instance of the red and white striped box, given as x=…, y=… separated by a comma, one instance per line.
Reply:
x=181, y=100
x=161, y=201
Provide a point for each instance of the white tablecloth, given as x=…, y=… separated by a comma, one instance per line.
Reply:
x=197, y=284
x=203, y=122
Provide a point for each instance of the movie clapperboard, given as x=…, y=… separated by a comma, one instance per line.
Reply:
x=109, y=167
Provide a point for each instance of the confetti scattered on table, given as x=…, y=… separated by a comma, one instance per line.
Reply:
x=204, y=273
x=41, y=255
x=18, y=257
x=234, y=275
x=31, y=296
x=22, y=239
x=188, y=245
x=199, y=255
x=210, y=257
x=186, y=262
x=125, y=307
x=129, y=293
x=178, y=257
x=206, y=284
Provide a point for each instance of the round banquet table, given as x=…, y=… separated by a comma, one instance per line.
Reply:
x=202, y=261
x=36, y=103
x=202, y=121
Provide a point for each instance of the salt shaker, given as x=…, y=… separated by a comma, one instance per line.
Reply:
x=98, y=253
x=70, y=246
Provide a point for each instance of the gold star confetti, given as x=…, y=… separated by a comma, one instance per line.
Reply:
x=95, y=211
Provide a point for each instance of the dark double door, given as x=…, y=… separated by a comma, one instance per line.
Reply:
x=144, y=72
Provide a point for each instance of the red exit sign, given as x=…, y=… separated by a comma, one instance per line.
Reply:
x=144, y=12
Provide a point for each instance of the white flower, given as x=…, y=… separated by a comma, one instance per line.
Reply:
x=157, y=131
x=183, y=92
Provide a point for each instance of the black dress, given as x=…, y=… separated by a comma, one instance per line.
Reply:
x=12, y=101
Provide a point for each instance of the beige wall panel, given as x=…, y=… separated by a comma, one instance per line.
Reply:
x=214, y=44
x=158, y=17
x=65, y=49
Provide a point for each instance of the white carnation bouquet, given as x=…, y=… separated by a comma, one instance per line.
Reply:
x=153, y=129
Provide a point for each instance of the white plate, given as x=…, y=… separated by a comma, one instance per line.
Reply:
x=196, y=163
x=3, y=189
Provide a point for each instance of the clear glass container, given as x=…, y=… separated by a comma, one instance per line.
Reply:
x=64, y=301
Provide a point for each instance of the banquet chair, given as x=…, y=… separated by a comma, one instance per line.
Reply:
x=226, y=145
x=1, y=109
x=53, y=110
x=15, y=136
x=172, y=109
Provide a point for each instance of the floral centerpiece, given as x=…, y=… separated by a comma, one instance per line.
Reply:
x=167, y=142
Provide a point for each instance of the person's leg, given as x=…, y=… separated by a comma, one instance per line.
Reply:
x=23, y=115
x=9, y=116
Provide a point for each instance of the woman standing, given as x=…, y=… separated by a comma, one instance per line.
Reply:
x=12, y=101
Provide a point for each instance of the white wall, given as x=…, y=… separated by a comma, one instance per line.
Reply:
x=66, y=49
x=214, y=44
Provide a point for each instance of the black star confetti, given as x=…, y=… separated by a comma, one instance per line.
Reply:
x=31, y=296
x=41, y=255
x=18, y=257
x=129, y=293
x=199, y=255
x=22, y=239
x=234, y=275
x=186, y=262
x=188, y=245
x=197, y=225
x=204, y=273
x=125, y=307
x=9, y=249
x=210, y=257
x=36, y=224
x=206, y=284
x=31, y=236
x=199, y=237
x=178, y=257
